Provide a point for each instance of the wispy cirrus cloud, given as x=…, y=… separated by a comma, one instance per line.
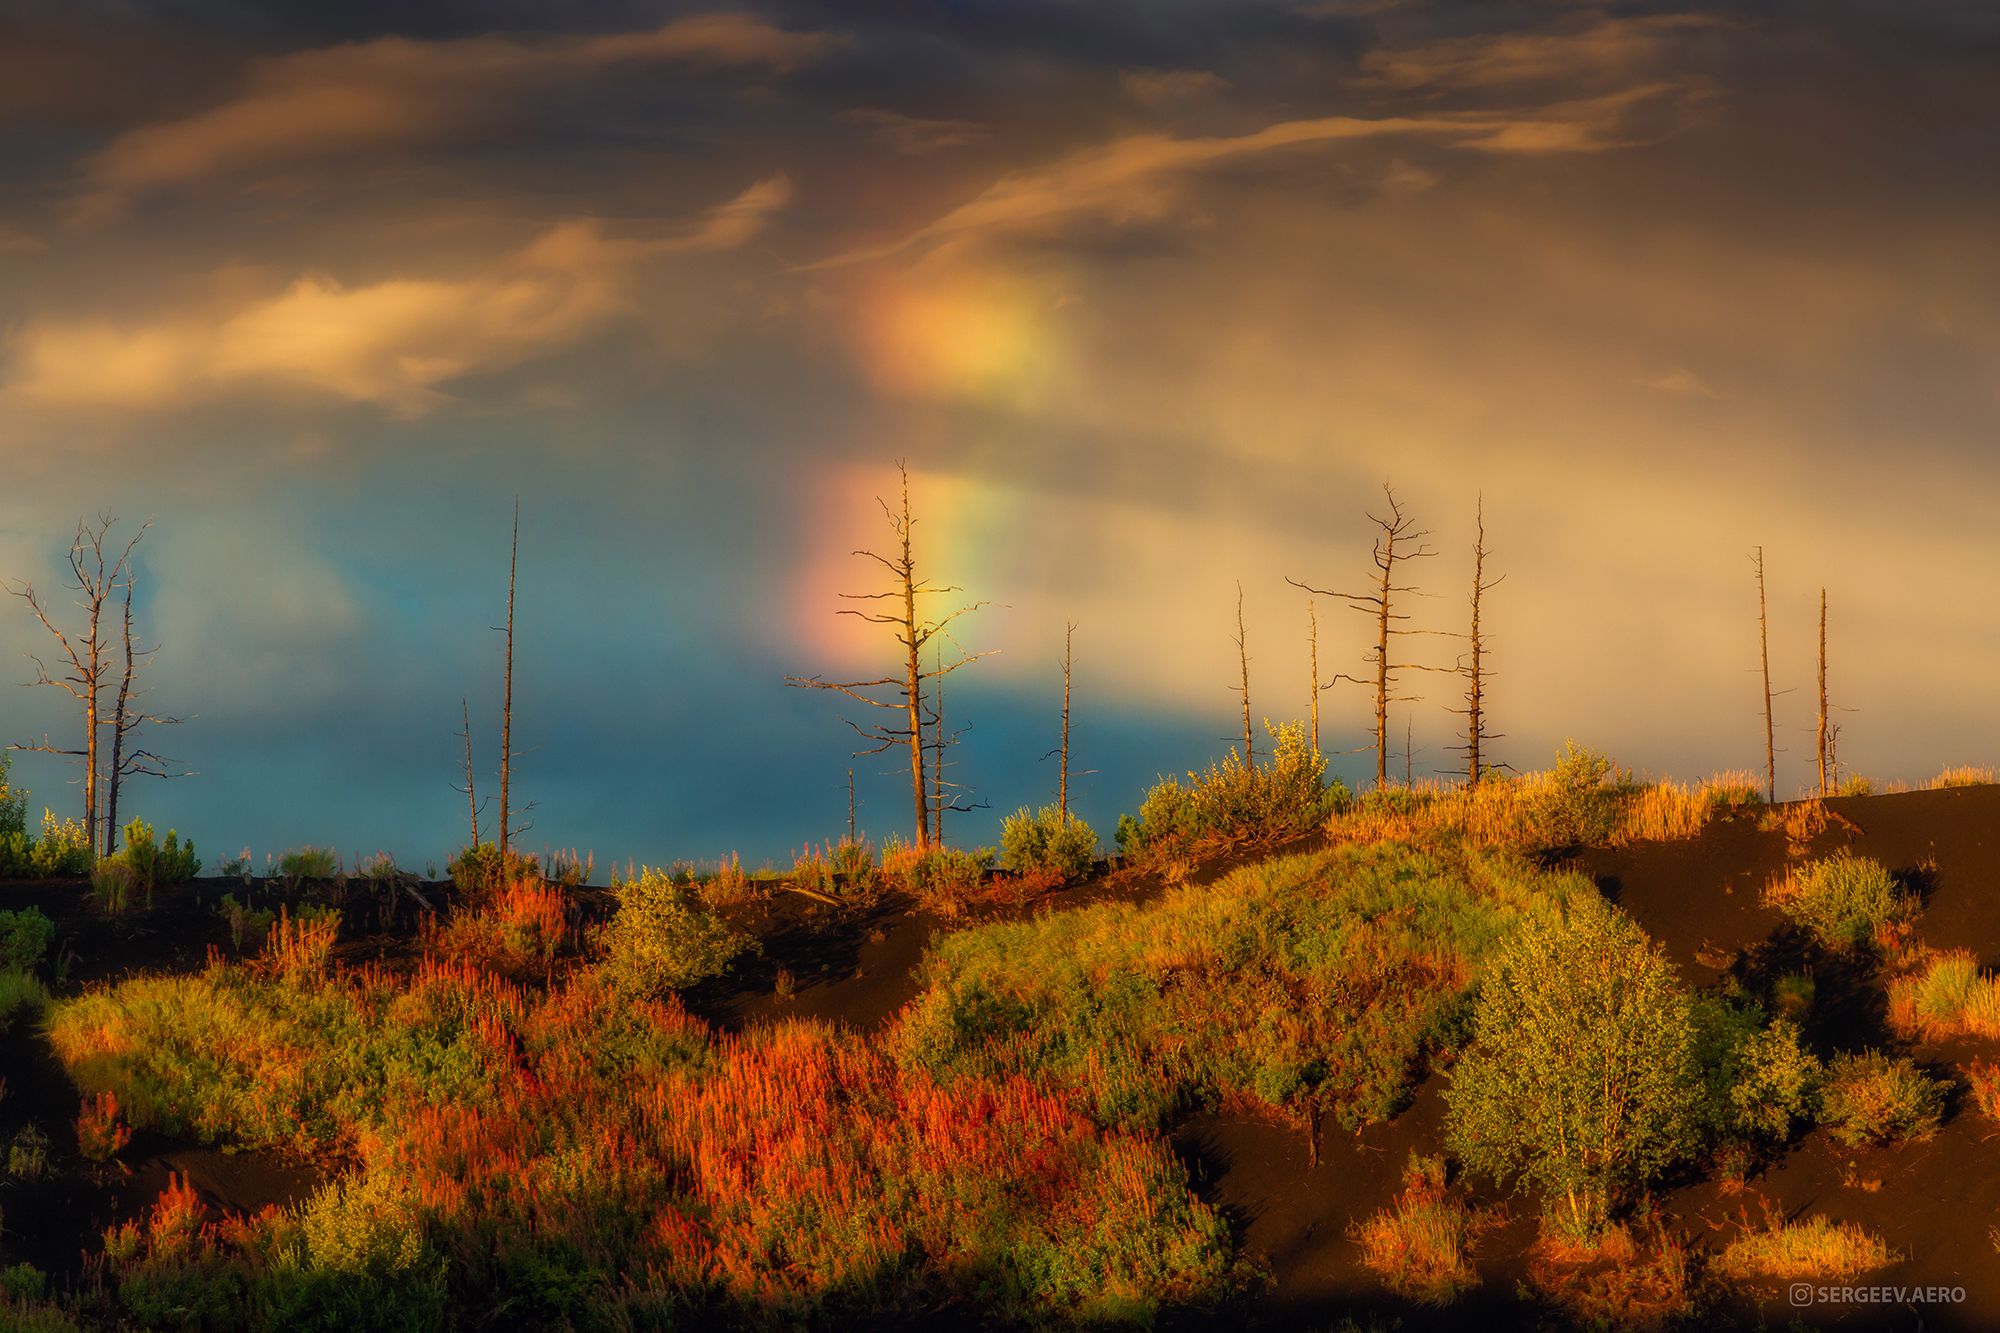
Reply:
x=393, y=342
x=393, y=92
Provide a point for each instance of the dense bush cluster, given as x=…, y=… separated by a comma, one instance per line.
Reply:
x=664, y=938
x=1843, y=899
x=1048, y=844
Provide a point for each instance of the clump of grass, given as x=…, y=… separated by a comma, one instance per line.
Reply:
x=1963, y=775
x=1804, y=1250
x=844, y=871
x=1948, y=997
x=1792, y=995
x=28, y=1154
x=1420, y=1246
x=1870, y=1098
x=248, y=926
x=941, y=880
x=1982, y=1082
x=299, y=946
x=1615, y=1279
x=112, y=886
x=1310, y=985
x=308, y=865
x=20, y=992
x=1236, y=801
x=1842, y=899
x=1673, y=811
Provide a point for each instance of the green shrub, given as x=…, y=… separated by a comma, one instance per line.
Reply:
x=13, y=801
x=1577, y=802
x=1581, y=1080
x=247, y=925
x=62, y=849
x=1759, y=1081
x=28, y=1155
x=1840, y=898
x=482, y=871
x=1048, y=843
x=309, y=863
x=24, y=937
x=151, y=864
x=19, y=991
x=664, y=938
x=1871, y=1098
x=1792, y=995
x=1235, y=800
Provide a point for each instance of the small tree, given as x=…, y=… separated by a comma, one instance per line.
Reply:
x=1581, y=1081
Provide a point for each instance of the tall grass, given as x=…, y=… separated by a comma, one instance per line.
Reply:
x=1963, y=775
x=577, y=1157
x=1843, y=899
x=1308, y=985
x=1812, y=1248
x=1421, y=1245
x=1235, y=801
x=1948, y=997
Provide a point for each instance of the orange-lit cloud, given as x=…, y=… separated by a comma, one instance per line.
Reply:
x=1600, y=49
x=395, y=92
x=392, y=342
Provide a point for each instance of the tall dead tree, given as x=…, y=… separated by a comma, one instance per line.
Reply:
x=128, y=759
x=507, y=694
x=1399, y=540
x=1243, y=664
x=1473, y=666
x=1824, y=738
x=850, y=808
x=912, y=631
x=1062, y=770
x=1764, y=650
x=1312, y=665
x=471, y=787
x=97, y=578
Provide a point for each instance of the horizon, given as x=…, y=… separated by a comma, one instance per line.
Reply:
x=1150, y=307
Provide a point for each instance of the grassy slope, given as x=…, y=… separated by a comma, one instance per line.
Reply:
x=1308, y=985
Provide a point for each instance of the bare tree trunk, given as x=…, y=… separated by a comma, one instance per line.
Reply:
x=1243, y=662
x=1824, y=789
x=507, y=698
x=471, y=787
x=1764, y=649
x=1475, y=699
x=119, y=728
x=937, y=753
x=1382, y=665
x=1409, y=752
x=1062, y=772
x=1312, y=665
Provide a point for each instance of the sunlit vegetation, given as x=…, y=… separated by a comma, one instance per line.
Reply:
x=1420, y=1246
x=518, y=932
x=306, y=864
x=663, y=937
x=1872, y=1098
x=1049, y=844
x=583, y=1156
x=1235, y=801
x=1815, y=1248
x=1949, y=996
x=1310, y=985
x=1582, y=1080
x=941, y=880
x=1963, y=775
x=1842, y=899
x=62, y=849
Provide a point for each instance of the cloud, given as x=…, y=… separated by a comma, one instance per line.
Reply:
x=916, y=135
x=392, y=342
x=1608, y=48
x=1156, y=87
x=1135, y=178
x=397, y=92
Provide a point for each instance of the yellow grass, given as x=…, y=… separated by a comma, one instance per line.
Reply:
x=1964, y=775
x=1813, y=1248
x=1670, y=811
x=1950, y=997
x=1420, y=1246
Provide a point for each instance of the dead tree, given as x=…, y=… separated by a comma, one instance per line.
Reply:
x=98, y=580
x=1764, y=649
x=1473, y=666
x=127, y=717
x=912, y=630
x=1824, y=740
x=1062, y=770
x=507, y=695
x=1400, y=540
x=471, y=788
x=1243, y=664
x=1312, y=667
x=850, y=808
x=945, y=795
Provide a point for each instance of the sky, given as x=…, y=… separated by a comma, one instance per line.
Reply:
x=1153, y=296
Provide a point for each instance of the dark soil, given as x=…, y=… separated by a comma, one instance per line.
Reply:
x=1933, y=1201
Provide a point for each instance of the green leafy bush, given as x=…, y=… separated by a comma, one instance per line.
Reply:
x=1581, y=1080
x=1047, y=842
x=1577, y=802
x=1871, y=1098
x=482, y=871
x=1234, y=800
x=942, y=880
x=154, y=864
x=1840, y=898
x=1760, y=1081
x=24, y=937
x=664, y=938
x=13, y=801
x=62, y=849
